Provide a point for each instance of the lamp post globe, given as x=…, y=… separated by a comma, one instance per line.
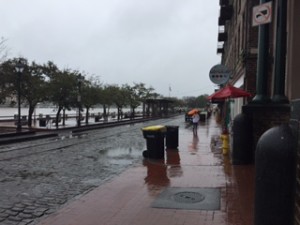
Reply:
x=19, y=69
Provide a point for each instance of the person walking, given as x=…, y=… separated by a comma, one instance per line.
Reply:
x=196, y=118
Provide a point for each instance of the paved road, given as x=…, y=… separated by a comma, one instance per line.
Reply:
x=38, y=177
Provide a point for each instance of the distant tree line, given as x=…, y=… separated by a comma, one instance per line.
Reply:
x=63, y=88
x=196, y=102
x=68, y=89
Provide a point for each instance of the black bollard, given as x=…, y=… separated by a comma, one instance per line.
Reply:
x=275, y=169
x=242, y=141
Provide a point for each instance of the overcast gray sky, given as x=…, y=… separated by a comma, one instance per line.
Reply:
x=162, y=43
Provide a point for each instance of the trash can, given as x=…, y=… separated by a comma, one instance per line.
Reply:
x=172, y=137
x=42, y=122
x=155, y=140
x=203, y=116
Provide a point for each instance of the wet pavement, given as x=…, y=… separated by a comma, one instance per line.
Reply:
x=38, y=177
x=127, y=195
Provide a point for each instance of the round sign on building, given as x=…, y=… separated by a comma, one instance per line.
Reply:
x=219, y=74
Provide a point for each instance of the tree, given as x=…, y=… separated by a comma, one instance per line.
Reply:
x=89, y=94
x=119, y=98
x=136, y=94
x=196, y=102
x=62, y=88
x=32, y=84
x=7, y=76
x=34, y=88
x=190, y=102
x=3, y=71
x=105, y=99
x=3, y=49
x=202, y=101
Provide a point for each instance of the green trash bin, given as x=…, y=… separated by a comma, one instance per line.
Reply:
x=172, y=137
x=155, y=140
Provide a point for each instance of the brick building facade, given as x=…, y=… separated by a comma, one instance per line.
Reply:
x=239, y=45
x=238, y=41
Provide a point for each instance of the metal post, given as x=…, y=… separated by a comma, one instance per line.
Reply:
x=79, y=117
x=262, y=63
x=79, y=109
x=79, y=101
x=19, y=67
x=279, y=79
x=19, y=125
x=64, y=116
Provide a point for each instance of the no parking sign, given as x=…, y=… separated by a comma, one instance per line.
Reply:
x=262, y=14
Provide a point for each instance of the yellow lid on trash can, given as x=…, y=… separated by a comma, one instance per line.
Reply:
x=160, y=128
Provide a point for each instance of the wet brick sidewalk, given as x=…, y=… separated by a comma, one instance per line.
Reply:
x=199, y=163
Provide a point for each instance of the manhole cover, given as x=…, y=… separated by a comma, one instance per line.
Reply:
x=188, y=197
x=192, y=198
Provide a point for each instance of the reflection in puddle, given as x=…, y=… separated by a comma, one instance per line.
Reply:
x=120, y=162
x=120, y=153
x=120, y=156
x=79, y=135
x=173, y=162
x=156, y=174
x=159, y=172
x=73, y=135
x=173, y=157
x=194, y=146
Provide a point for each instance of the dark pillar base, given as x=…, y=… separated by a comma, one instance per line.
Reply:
x=264, y=117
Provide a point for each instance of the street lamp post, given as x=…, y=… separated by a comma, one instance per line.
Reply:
x=79, y=78
x=19, y=69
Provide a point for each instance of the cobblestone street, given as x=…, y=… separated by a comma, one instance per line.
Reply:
x=38, y=177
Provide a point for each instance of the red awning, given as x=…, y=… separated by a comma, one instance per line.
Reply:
x=229, y=92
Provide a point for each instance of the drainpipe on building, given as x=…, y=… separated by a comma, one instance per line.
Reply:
x=280, y=54
x=262, y=63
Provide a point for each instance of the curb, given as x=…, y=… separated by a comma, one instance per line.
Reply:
x=10, y=138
